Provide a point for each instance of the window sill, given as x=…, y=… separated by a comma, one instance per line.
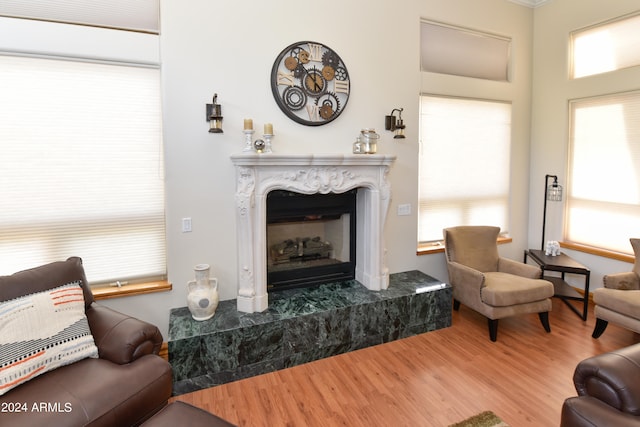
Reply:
x=106, y=292
x=438, y=247
x=599, y=252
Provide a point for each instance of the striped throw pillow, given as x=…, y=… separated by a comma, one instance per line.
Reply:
x=41, y=332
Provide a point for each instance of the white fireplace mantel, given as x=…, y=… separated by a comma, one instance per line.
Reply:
x=259, y=174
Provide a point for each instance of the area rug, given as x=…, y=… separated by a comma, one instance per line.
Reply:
x=484, y=419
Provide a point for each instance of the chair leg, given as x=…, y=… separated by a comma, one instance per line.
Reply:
x=456, y=305
x=493, y=329
x=601, y=325
x=544, y=318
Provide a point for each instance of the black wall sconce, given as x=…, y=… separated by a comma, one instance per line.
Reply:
x=214, y=116
x=395, y=125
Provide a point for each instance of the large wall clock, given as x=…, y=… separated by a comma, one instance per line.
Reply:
x=310, y=83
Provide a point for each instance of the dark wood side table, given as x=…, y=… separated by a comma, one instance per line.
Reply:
x=564, y=264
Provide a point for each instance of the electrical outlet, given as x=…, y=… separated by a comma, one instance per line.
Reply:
x=404, y=209
x=186, y=225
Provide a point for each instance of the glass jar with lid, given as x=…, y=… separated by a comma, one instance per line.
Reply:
x=369, y=141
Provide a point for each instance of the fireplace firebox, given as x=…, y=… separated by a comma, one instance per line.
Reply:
x=311, y=238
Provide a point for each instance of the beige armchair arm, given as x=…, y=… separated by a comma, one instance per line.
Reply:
x=627, y=280
x=466, y=276
x=510, y=266
x=467, y=284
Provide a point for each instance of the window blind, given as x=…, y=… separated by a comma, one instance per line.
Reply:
x=81, y=169
x=77, y=42
x=138, y=15
x=603, y=198
x=606, y=47
x=463, y=52
x=464, y=164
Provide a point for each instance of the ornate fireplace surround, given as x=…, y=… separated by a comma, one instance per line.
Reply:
x=258, y=174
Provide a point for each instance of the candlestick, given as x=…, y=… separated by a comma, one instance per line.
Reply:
x=248, y=140
x=267, y=142
x=248, y=124
x=268, y=129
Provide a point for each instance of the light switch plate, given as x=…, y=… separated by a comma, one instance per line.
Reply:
x=404, y=209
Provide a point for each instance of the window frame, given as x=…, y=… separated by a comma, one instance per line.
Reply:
x=464, y=52
x=611, y=51
x=33, y=38
x=613, y=247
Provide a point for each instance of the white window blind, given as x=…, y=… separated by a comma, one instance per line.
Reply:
x=137, y=15
x=52, y=39
x=464, y=164
x=606, y=47
x=464, y=52
x=603, y=200
x=81, y=167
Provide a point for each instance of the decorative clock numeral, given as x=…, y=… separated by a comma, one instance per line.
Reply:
x=314, y=112
x=341, y=86
x=315, y=52
x=286, y=79
x=301, y=79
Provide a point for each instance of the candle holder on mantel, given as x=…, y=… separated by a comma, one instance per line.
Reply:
x=248, y=140
x=267, y=142
x=259, y=145
x=248, y=135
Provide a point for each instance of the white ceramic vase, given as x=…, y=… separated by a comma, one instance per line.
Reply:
x=202, y=294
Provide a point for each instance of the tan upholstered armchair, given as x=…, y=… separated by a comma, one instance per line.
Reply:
x=494, y=286
x=619, y=300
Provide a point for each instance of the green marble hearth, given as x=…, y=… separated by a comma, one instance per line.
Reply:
x=302, y=325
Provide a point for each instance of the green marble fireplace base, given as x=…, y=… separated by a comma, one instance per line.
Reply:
x=302, y=325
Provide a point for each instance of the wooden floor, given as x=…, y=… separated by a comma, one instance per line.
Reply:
x=434, y=379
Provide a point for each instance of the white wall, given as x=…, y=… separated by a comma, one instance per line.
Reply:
x=229, y=48
x=552, y=90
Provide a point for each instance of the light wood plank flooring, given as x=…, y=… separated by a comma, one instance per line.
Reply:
x=433, y=379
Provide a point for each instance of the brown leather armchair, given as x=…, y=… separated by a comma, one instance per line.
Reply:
x=124, y=386
x=494, y=286
x=608, y=387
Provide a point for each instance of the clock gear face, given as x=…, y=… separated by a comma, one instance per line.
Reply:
x=310, y=83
